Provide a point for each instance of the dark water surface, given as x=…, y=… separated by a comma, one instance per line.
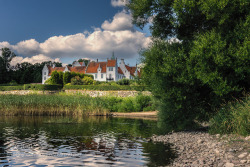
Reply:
x=89, y=141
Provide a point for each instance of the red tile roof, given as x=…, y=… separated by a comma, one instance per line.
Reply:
x=81, y=63
x=51, y=69
x=131, y=70
x=111, y=63
x=93, y=66
x=119, y=71
x=79, y=69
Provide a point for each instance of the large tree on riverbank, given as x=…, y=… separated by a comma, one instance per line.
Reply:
x=210, y=64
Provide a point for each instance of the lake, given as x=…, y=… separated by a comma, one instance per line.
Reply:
x=85, y=141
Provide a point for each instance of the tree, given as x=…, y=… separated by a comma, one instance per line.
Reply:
x=210, y=64
x=86, y=62
x=5, y=59
x=66, y=78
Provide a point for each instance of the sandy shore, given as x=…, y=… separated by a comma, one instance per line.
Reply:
x=136, y=114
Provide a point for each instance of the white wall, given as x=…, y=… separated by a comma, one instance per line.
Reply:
x=45, y=74
x=124, y=69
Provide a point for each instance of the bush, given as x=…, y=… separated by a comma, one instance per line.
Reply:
x=232, y=118
x=76, y=81
x=41, y=87
x=123, y=81
x=126, y=105
x=142, y=102
x=88, y=80
x=8, y=88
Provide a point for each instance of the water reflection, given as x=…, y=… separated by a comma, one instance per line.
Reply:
x=93, y=141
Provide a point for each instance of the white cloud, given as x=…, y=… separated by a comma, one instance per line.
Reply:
x=121, y=21
x=117, y=35
x=34, y=59
x=119, y=3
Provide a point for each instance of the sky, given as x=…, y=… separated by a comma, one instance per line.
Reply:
x=66, y=30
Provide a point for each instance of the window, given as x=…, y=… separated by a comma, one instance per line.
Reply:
x=110, y=75
x=44, y=73
x=110, y=68
x=101, y=75
x=44, y=78
x=95, y=76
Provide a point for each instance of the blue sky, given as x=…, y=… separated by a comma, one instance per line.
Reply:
x=65, y=30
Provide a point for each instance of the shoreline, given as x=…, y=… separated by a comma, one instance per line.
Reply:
x=202, y=149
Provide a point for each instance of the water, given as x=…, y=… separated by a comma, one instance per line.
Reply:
x=89, y=141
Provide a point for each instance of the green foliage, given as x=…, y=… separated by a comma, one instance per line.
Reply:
x=5, y=59
x=88, y=80
x=142, y=102
x=31, y=87
x=63, y=104
x=123, y=81
x=76, y=81
x=104, y=88
x=210, y=64
x=8, y=88
x=66, y=78
x=41, y=87
x=126, y=105
x=232, y=118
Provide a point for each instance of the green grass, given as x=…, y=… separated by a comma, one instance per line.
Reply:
x=232, y=118
x=72, y=105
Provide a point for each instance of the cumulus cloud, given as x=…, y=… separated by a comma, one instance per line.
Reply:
x=116, y=35
x=34, y=59
x=121, y=21
x=119, y=3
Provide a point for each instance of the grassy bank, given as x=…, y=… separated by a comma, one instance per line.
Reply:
x=73, y=105
x=233, y=118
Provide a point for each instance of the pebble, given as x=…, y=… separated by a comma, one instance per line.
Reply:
x=242, y=155
x=203, y=149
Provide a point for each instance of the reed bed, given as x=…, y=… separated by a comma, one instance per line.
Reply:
x=71, y=105
x=233, y=117
x=50, y=105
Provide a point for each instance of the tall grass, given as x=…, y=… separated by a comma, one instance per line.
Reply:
x=72, y=105
x=232, y=118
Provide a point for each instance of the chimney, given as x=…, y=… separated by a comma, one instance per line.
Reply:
x=53, y=65
x=97, y=60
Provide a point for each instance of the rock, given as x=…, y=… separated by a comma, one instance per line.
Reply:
x=247, y=138
x=243, y=161
x=200, y=141
x=217, y=152
x=217, y=135
x=242, y=155
x=229, y=164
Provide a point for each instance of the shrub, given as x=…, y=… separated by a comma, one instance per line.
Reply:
x=8, y=88
x=88, y=80
x=66, y=78
x=123, y=81
x=126, y=105
x=41, y=87
x=142, y=102
x=76, y=81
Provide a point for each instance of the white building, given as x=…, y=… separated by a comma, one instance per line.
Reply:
x=102, y=71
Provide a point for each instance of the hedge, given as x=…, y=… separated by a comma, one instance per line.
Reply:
x=8, y=88
x=104, y=88
x=42, y=87
x=31, y=87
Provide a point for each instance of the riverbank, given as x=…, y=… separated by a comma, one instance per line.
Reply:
x=198, y=149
